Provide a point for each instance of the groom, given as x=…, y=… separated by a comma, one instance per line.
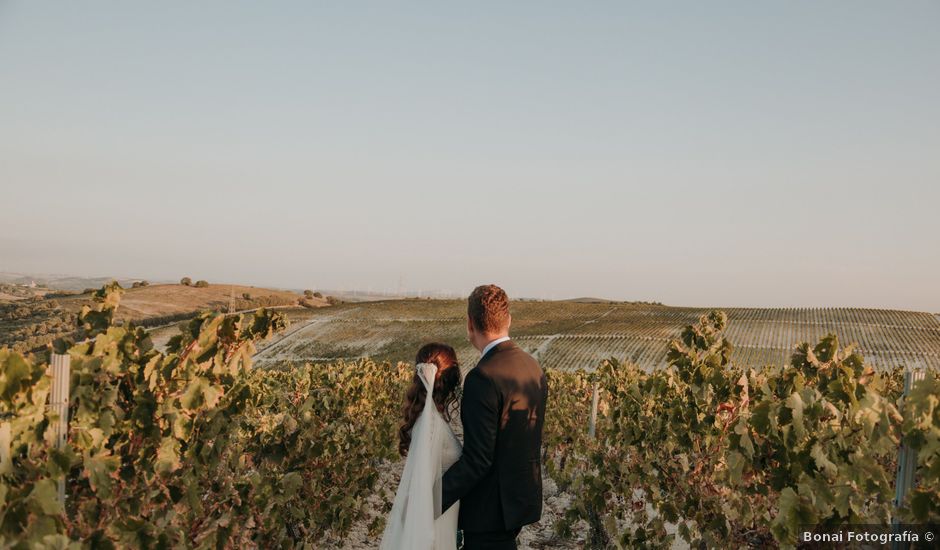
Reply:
x=498, y=479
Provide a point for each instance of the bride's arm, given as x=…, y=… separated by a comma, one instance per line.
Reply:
x=479, y=411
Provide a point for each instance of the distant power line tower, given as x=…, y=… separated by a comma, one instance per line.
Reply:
x=401, y=284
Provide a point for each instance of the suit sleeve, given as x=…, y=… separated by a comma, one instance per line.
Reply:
x=479, y=412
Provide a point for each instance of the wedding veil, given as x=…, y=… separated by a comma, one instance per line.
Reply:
x=410, y=524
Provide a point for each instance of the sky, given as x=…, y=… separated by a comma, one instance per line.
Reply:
x=781, y=154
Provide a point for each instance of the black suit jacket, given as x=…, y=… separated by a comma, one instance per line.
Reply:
x=498, y=479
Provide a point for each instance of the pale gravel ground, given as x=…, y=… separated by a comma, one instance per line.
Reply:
x=536, y=536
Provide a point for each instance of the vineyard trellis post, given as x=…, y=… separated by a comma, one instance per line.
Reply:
x=60, y=371
x=907, y=457
x=593, y=424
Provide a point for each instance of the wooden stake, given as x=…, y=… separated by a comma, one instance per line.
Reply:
x=59, y=405
x=592, y=426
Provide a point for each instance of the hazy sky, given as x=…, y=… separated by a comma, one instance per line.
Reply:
x=700, y=153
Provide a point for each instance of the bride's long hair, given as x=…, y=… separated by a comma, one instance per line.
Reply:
x=445, y=385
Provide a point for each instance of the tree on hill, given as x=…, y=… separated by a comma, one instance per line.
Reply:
x=186, y=281
x=202, y=283
x=317, y=295
x=308, y=294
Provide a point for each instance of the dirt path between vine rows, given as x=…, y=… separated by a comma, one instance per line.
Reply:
x=540, y=535
x=271, y=351
x=536, y=536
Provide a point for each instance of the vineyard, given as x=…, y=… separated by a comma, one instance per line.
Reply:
x=708, y=453
x=193, y=447
x=34, y=322
x=189, y=447
x=572, y=335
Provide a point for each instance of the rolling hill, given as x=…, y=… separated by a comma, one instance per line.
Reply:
x=31, y=322
x=569, y=335
x=148, y=302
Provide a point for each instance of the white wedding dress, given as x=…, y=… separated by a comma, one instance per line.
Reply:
x=434, y=448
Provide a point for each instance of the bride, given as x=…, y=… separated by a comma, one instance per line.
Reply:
x=430, y=447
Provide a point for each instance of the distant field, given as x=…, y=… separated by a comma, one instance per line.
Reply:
x=564, y=335
x=172, y=299
x=568, y=335
x=30, y=319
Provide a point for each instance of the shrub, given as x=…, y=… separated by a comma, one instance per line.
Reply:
x=186, y=281
x=202, y=283
x=246, y=295
x=308, y=293
x=318, y=295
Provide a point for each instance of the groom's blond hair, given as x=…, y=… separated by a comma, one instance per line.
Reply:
x=488, y=309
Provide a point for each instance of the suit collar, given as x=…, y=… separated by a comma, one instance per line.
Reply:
x=500, y=345
x=492, y=344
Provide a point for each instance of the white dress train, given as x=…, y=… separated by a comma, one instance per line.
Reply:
x=433, y=449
